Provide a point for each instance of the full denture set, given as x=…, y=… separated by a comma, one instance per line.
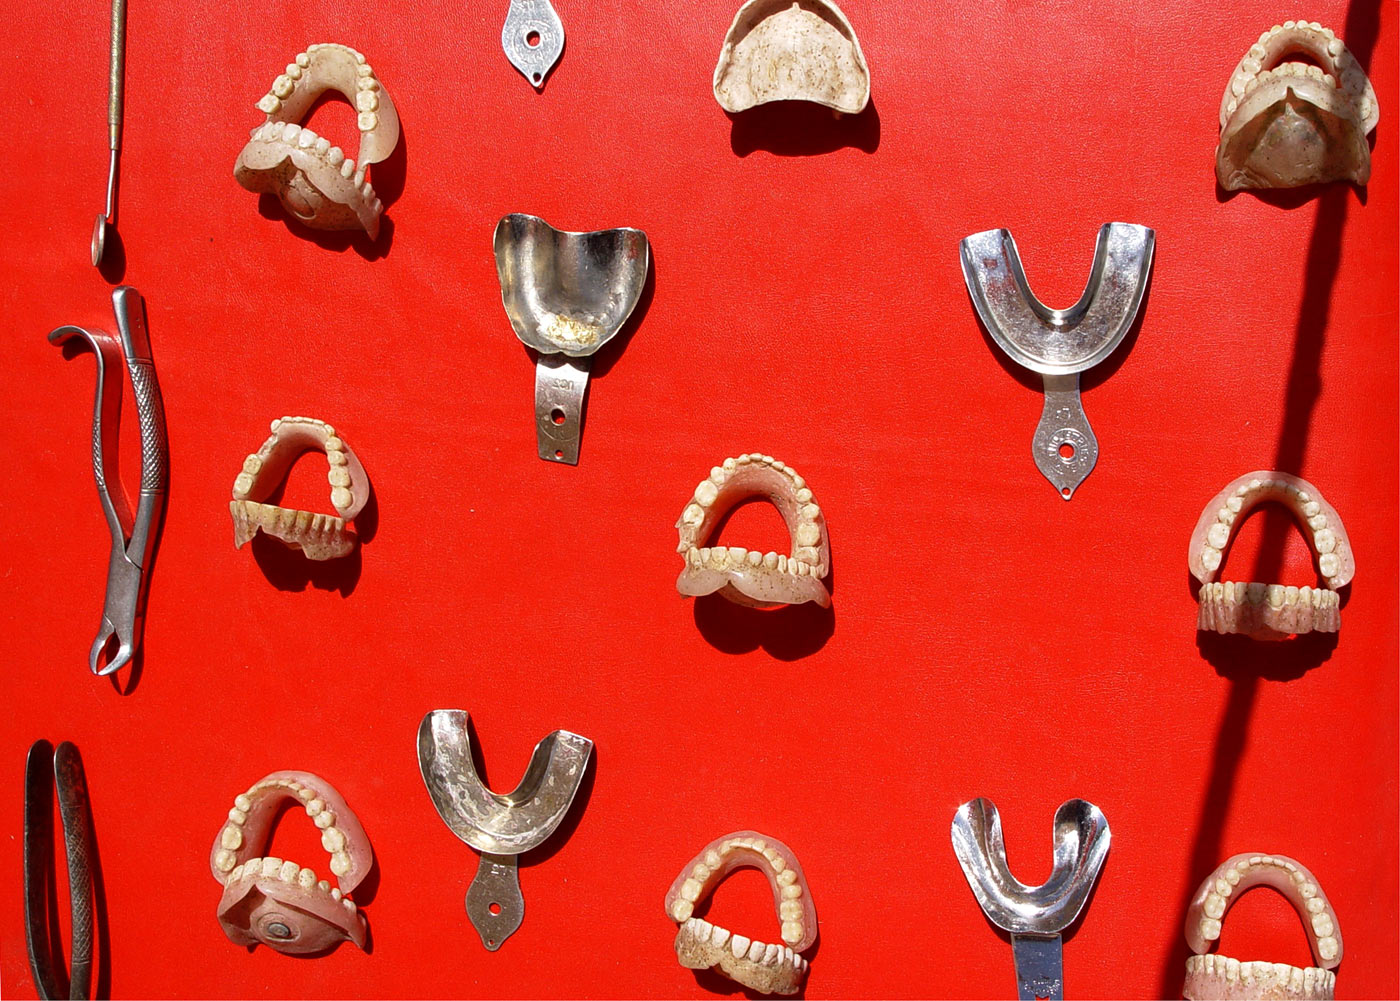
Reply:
x=1211, y=977
x=314, y=180
x=769, y=968
x=318, y=536
x=747, y=576
x=1284, y=122
x=1270, y=611
x=278, y=902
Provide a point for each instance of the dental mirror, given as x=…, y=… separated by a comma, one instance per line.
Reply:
x=116, y=68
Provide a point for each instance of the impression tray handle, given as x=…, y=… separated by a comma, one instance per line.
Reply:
x=560, y=385
x=1064, y=446
x=497, y=885
x=537, y=20
x=1039, y=967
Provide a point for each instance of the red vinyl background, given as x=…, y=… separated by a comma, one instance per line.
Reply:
x=986, y=638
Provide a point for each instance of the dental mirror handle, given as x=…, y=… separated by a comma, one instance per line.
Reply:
x=1039, y=967
x=494, y=902
x=1064, y=447
x=560, y=385
x=116, y=72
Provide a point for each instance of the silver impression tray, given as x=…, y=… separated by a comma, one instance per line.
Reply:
x=499, y=826
x=1034, y=915
x=1060, y=343
x=566, y=294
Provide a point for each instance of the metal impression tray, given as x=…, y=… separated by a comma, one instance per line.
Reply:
x=499, y=826
x=1060, y=343
x=567, y=294
x=1034, y=915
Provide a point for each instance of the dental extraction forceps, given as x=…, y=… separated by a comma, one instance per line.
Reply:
x=133, y=537
x=39, y=870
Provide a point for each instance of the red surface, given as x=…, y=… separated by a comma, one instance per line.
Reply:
x=986, y=638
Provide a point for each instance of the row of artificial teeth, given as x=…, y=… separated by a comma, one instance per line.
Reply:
x=807, y=534
x=1294, y=979
x=332, y=838
x=1276, y=595
x=1294, y=69
x=338, y=475
x=790, y=907
x=366, y=86
x=274, y=519
x=293, y=134
x=1324, y=540
x=288, y=872
x=1249, y=73
x=744, y=948
x=720, y=557
x=1318, y=917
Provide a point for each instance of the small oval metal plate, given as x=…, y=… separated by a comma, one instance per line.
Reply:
x=533, y=39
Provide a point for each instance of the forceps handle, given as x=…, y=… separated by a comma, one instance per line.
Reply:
x=39, y=867
x=150, y=413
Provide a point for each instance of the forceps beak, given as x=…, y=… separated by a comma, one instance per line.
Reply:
x=125, y=648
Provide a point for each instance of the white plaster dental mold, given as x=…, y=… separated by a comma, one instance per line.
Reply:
x=1270, y=611
x=748, y=577
x=1289, y=122
x=769, y=969
x=318, y=536
x=791, y=50
x=276, y=901
x=1210, y=977
x=315, y=181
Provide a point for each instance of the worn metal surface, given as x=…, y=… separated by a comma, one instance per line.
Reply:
x=566, y=294
x=1035, y=915
x=499, y=825
x=1060, y=343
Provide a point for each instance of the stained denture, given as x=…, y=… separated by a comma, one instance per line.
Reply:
x=1289, y=122
x=315, y=180
x=1270, y=611
x=318, y=536
x=766, y=968
x=791, y=50
x=276, y=901
x=1210, y=977
x=748, y=577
